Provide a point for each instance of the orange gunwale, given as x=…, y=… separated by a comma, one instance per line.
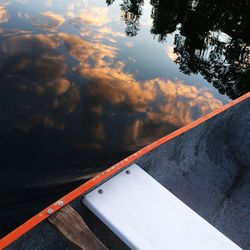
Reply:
x=100, y=178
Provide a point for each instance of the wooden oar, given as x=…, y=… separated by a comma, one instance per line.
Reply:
x=73, y=228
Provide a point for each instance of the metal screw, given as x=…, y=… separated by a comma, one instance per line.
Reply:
x=60, y=203
x=127, y=172
x=50, y=211
x=100, y=191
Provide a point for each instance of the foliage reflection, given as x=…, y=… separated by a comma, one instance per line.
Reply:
x=212, y=37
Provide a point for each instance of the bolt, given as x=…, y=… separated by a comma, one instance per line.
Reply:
x=127, y=172
x=100, y=191
x=59, y=203
x=50, y=211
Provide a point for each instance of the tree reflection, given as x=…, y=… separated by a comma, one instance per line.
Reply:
x=131, y=12
x=211, y=39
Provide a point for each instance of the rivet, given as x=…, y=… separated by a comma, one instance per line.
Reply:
x=50, y=211
x=100, y=191
x=60, y=203
x=127, y=172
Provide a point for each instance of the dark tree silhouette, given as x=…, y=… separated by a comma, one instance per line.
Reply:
x=131, y=13
x=214, y=42
x=212, y=37
x=109, y=2
x=166, y=16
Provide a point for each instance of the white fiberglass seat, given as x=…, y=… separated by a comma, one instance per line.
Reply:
x=145, y=215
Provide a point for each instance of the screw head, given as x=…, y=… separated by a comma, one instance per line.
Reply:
x=60, y=203
x=100, y=191
x=50, y=211
x=127, y=172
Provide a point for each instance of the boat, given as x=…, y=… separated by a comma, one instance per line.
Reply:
x=187, y=190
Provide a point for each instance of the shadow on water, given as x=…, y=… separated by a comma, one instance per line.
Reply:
x=76, y=94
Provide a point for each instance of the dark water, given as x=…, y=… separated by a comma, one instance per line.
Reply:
x=85, y=83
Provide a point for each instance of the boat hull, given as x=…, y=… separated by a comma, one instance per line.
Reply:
x=205, y=164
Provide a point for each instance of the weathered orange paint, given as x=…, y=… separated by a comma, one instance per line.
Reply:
x=97, y=180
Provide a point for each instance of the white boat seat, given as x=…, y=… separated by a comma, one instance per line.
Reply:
x=145, y=215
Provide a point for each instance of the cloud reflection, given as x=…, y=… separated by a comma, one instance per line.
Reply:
x=157, y=101
x=4, y=16
x=160, y=100
x=91, y=15
x=72, y=82
x=18, y=43
x=43, y=72
x=88, y=53
x=48, y=20
x=35, y=72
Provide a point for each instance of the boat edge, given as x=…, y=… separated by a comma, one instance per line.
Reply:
x=107, y=174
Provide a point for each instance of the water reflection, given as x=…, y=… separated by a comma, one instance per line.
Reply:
x=4, y=17
x=49, y=90
x=48, y=20
x=77, y=94
x=211, y=38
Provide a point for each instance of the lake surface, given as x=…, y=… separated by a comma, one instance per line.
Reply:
x=85, y=83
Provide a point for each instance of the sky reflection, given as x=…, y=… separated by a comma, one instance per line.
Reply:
x=72, y=69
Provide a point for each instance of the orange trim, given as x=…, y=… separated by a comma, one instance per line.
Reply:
x=35, y=220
